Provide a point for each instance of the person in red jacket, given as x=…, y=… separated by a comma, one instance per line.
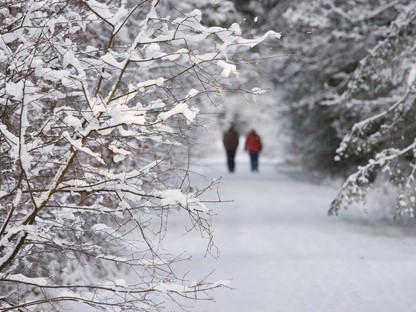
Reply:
x=253, y=147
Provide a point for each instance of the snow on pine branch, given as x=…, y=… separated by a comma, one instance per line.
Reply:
x=375, y=131
x=359, y=129
x=357, y=185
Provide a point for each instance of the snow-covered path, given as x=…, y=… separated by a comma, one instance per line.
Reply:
x=283, y=253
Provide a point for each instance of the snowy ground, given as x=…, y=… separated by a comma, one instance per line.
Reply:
x=282, y=252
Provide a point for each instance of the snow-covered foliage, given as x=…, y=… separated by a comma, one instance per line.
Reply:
x=97, y=101
x=382, y=93
x=345, y=73
x=348, y=83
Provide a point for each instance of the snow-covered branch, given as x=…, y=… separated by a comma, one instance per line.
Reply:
x=98, y=104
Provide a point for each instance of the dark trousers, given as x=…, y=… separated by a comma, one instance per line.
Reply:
x=230, y=160
x=254, y=160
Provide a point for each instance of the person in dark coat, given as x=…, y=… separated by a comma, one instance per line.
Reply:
x=230, y=140
x=253, y=147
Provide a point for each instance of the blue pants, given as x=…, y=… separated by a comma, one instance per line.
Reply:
x=254, y=160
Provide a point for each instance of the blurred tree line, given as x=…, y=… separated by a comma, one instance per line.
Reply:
x=345, y=73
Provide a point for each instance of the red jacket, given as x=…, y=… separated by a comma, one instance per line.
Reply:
x=253, y=143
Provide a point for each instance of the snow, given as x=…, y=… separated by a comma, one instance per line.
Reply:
x=109, y=59
x=78, y=145
x=281, y=252
x=252, y=43
x=181, y=108
x=24, y=279
x=174, y=197
x=228, y=68
x=412, y=76
x=120, y=154
x=15, y=89
x=9, y=137
x=73, y=121
x=278, y=250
